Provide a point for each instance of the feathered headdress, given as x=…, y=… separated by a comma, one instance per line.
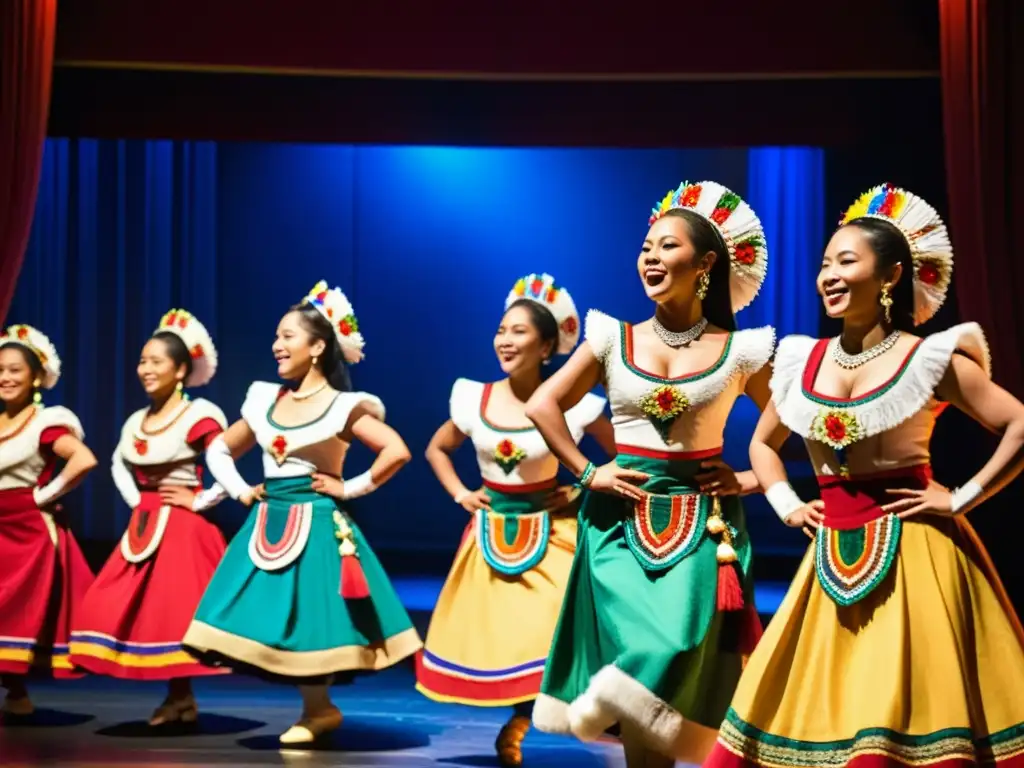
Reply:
x=921, y=225
x=194, y=335
x=739, y=227
x=543, y=290
x=40, y=345
x=336, y=308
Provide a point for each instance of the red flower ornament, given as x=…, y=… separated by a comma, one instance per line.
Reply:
x=719, y=215
x=141, y=446
x=928, y=273
x=278, y=448
x=746, y=253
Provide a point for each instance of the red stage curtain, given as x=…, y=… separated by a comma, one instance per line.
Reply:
x=983, y=113
x=27, y=30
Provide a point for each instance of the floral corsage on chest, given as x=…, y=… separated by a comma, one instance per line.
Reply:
x=838, y=429
x=508, y=455
x=662, y=406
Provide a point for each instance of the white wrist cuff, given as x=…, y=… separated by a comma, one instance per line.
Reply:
x=964, y=496
x=222, y=467
x=461, y=496
x=360, y=485
x=212, y=496
x=783, y=499
x=50, y=491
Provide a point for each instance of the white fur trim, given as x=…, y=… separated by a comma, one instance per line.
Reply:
x=600, y=331
x=906, y=397
x=551, y=715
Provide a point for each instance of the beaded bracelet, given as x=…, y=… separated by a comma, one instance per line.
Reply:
x=587, y=476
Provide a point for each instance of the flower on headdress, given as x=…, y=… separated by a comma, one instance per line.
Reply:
x=690, y=196
x=746, y=253
x=347, y=325
x=928, y=273
x=719, y=215
x=22, y=332
x=837, y=429
x=196, y=352
x=570, y=325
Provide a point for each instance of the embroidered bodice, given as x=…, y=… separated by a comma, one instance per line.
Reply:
x=887, y=428
x=701, y=401
x=169, y=454
x=311, y=447
x=513, y=456
x=26, y=460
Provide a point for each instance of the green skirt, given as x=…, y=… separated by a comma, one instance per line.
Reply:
x=275, y=606
x=640, y=641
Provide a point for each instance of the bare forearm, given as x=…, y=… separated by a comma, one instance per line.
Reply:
x=546, y=415
x=766, y=465
x=748, y=483
x=444, y=471
x=1004, y=466
x=388, y=462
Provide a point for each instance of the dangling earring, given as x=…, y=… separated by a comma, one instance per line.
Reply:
x=37, y=396
x=886, y=301
x=181, y=390
x=316, y=360
x=703, y=283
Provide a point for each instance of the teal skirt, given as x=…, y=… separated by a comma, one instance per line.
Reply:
x=275, y=603
x=641, y=638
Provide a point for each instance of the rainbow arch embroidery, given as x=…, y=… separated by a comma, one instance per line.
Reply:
x=665, y=529
x=850, y=564
x=144, y=533
x=512, y=544
x=269, y=556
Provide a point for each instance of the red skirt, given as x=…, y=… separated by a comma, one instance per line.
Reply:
x=135, y=615
x=43, y=578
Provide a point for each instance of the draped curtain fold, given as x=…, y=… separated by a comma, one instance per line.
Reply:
x=123, y=231
x=27, y=30
x=982, y=45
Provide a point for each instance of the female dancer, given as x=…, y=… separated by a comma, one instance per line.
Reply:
x=492, y=626
x=300, y=594
x=43, y=575
x=644, y=639
x=896, y=644
x=133, y=618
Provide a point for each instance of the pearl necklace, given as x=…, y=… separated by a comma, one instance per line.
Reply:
x=681, y=338
x=845, y=360
x=313, y=391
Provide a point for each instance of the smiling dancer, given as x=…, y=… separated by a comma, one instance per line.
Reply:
x=133, y=618
x=299, y=594
x=896, y=644
x=492, y=625
x=43, y=576
x=659, y=609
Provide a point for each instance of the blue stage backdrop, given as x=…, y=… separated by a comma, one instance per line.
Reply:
x=426, y=241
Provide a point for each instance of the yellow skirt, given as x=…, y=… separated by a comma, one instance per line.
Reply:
x=490, y=633
x=926, y=670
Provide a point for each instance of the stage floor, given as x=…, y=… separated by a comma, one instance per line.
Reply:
x=99, y=723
